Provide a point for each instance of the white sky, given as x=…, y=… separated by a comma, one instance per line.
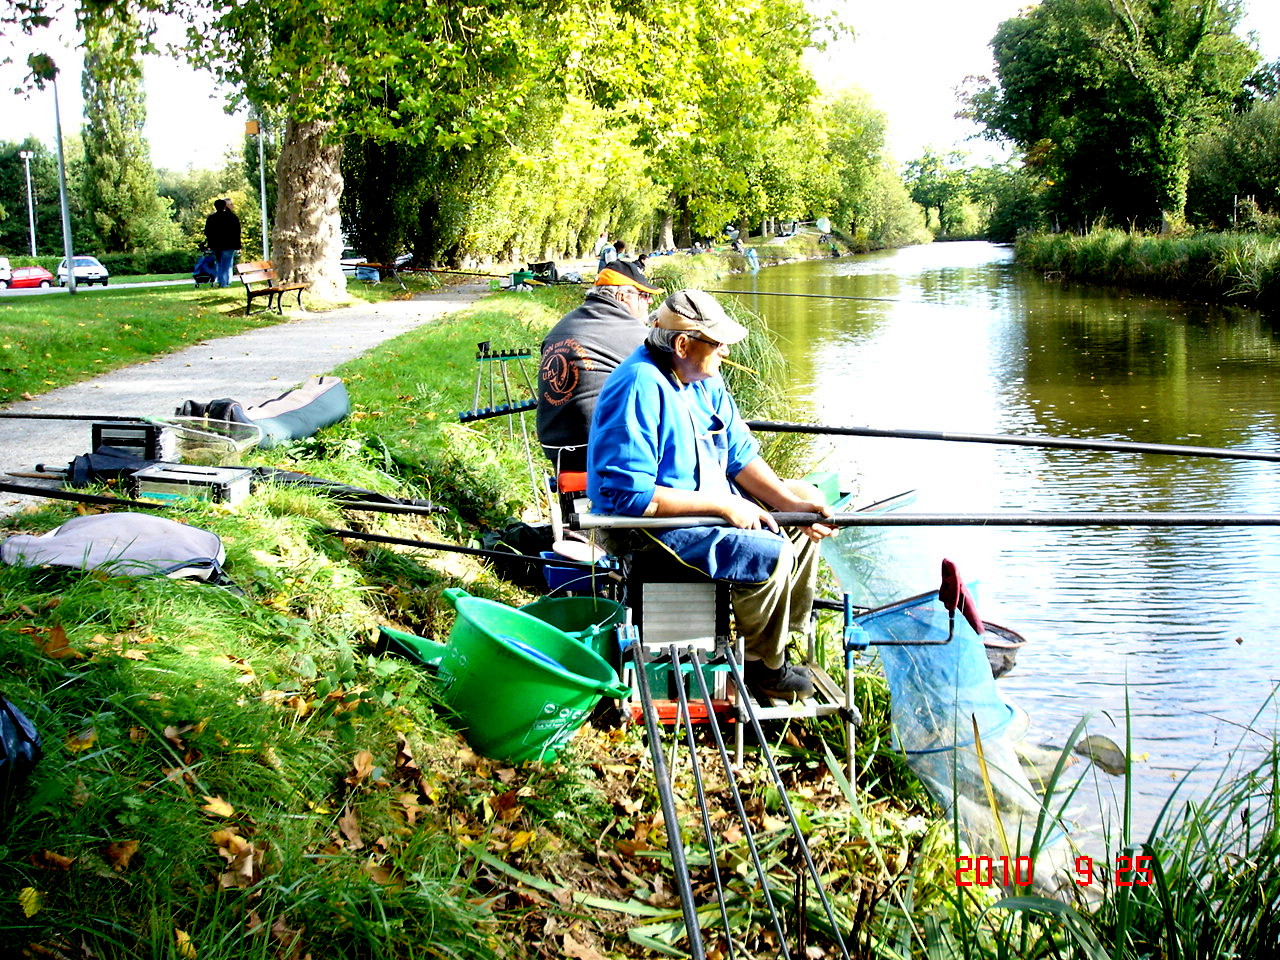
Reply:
x=909, y=55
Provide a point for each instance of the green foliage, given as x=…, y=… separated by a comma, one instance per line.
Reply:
x=940, y=183
x=1239, y=160
x=15, y=234
x=1012, y=201
x=1103, y=100
x=192, y=193
x=118, y=182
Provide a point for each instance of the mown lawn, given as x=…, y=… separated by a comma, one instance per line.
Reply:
x=52, y=340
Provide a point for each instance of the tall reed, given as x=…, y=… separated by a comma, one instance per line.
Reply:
x=1224, y=267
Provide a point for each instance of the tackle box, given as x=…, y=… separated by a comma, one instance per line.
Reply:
x=171, y=480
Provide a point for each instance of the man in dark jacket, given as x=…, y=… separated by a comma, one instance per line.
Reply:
x=579, y=354
x=222, y=234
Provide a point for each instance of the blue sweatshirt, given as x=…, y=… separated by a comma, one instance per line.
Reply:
x=642, y=437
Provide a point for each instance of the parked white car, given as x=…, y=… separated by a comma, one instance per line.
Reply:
x=88, y=271
x=6, y=273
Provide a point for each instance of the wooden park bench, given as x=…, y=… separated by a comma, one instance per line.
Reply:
x=264, y=272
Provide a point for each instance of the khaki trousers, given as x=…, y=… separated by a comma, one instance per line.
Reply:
x=767, y=615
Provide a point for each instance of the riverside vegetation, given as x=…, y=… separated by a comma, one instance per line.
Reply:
x=1239, y=268
x=241, y=774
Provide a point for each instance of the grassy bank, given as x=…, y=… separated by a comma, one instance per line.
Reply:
x=1220, y=267
x=239, y=773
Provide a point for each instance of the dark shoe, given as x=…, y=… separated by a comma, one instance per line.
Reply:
x=785, y=683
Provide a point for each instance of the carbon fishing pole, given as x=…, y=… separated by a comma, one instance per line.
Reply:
x=747, y=830
x=1029, y=440
x=588, y=521
x=695, y=766
x=828, y=296
x=455, y=548
x=48, y=493
x=679, y=865
x=745, y=698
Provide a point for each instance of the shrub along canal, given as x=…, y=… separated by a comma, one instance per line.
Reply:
x=1178, y=623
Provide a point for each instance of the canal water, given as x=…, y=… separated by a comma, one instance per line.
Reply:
x=1176, y=629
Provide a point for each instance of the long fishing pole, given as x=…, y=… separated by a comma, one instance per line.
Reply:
x=588, y=521
x=105, y=417
x=695, y=766
x=455, y=548
x=745, y=698
x=48, y=493
x=679, y=866
x=1028, y=440
x=828, y=296
x=747, y=830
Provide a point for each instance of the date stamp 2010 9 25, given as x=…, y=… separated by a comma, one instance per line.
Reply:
x=1130, y=871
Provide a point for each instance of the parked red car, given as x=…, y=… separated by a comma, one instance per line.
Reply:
x=30, y=277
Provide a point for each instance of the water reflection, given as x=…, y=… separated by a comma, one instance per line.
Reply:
x=1180, y=623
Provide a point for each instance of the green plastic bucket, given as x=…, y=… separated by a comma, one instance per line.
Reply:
x=519, y=686
x=590, y=620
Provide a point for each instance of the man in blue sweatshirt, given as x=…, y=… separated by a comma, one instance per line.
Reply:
x=667, y=441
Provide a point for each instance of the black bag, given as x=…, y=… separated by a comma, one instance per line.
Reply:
x=520, y=540
x=545, y=271
x=19, y=748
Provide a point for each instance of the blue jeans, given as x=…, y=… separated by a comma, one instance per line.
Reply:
x=225, y=260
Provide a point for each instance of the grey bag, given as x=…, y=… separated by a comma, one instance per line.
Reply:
x=122, y=544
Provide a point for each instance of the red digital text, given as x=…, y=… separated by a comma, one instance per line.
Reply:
x=1130, y=870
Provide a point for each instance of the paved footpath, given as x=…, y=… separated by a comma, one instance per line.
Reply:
x=249, y=367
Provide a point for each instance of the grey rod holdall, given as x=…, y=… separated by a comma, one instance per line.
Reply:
x=122, y=544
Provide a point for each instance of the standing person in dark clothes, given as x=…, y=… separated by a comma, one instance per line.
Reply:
x=222, y=234
x=579, y=354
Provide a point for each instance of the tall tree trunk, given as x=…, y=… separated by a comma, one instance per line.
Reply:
x=667, y=236
x=307, y=240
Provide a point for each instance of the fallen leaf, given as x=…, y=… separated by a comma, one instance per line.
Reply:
x=31, y=900
x=218, y=807
x=362, y=768
x=378, y=873
x=350, y=828
x=580, y=951
x=119, y=853
x=186, y=949
x=48, y=860
x=79, y=742
x=522, y=838
x=56, y=645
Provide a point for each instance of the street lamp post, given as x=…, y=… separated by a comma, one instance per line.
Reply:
x=26, y=156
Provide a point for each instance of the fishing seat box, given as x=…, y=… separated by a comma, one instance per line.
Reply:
x=672, y=604
x=161, y=481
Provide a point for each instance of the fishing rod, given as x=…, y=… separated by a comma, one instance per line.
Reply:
x=748, y=831
x=112, y=418
x=745, y=698
x=470, y=551
x=1028, y=440
x=828, y=296
x=695, y=767
x=47, y=493
x=679, y=865
x=589, y=521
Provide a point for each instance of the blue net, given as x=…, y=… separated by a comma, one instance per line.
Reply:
x=939, y=687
